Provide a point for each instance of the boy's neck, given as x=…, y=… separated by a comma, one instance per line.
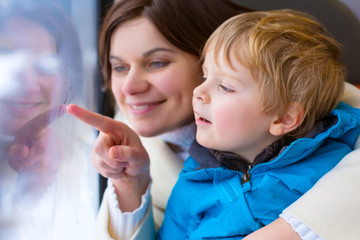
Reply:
x=236, y=162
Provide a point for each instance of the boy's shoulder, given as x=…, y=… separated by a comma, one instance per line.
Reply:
x=344, y=108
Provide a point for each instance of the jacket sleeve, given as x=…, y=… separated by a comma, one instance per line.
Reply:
x=145, y=231
x=102, y=221
x=331, y=208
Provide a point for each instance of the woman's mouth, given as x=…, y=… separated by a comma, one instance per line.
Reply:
x=141, y=108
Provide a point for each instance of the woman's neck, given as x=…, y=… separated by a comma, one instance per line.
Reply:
x=180, y=139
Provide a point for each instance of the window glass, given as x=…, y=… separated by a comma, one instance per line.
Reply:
x=48, y=187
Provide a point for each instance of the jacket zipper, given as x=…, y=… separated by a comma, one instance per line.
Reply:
x=246, y=176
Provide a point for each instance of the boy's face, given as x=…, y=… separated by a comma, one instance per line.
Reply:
x=228, y=111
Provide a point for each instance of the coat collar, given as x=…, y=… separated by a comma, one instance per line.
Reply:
x=210, y=158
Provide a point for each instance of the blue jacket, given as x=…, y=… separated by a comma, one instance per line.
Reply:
x=216, y=203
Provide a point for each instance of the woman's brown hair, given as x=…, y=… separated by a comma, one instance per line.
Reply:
x=186, y=24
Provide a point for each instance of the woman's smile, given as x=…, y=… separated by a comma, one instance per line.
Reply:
x=141, y=108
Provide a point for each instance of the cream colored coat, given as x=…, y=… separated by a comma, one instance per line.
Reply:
x=331, y=208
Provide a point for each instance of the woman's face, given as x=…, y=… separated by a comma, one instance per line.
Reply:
x=30, y=81
x=151, y=79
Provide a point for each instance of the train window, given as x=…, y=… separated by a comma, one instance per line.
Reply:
x=48, y=186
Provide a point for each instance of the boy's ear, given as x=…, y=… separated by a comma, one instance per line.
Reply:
x=292, y=119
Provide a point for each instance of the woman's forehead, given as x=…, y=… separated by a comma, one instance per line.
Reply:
x=138, y=35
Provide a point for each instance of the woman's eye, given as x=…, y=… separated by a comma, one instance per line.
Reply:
x=225, y=89
x=120, y=69
x=158, y=64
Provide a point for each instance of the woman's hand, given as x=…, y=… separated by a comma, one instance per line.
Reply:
x=118, y=154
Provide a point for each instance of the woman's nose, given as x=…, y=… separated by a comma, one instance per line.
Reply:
x=135, y=82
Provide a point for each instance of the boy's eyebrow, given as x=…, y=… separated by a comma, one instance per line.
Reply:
x=222, y=73
x=147, y=53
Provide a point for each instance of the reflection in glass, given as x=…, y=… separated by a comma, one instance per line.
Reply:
x=45, y=191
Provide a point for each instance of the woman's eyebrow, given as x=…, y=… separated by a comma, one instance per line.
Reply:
x=148, y=53
x=114, y=57
x=145, y=54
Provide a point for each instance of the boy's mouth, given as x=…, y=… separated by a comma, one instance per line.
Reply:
x=204, y=120
x=200, y=118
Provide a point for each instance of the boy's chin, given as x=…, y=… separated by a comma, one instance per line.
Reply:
x=203, y=141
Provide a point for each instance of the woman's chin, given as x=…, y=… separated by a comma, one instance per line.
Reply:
x=146, y=131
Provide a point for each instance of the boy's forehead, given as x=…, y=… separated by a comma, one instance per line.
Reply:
x=215, y=55
x=221, y=65
x=210, y=60
x=217, y=58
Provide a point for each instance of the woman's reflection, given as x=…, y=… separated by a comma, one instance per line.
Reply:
x=40, y=71
x=36, y=86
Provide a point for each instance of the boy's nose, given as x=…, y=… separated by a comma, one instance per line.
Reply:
x=201, y=95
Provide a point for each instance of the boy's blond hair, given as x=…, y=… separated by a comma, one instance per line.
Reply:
x=290, y=55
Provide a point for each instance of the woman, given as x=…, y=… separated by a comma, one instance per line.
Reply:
x=149, y=55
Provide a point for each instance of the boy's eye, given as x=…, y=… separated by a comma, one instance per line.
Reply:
x=225, y=88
